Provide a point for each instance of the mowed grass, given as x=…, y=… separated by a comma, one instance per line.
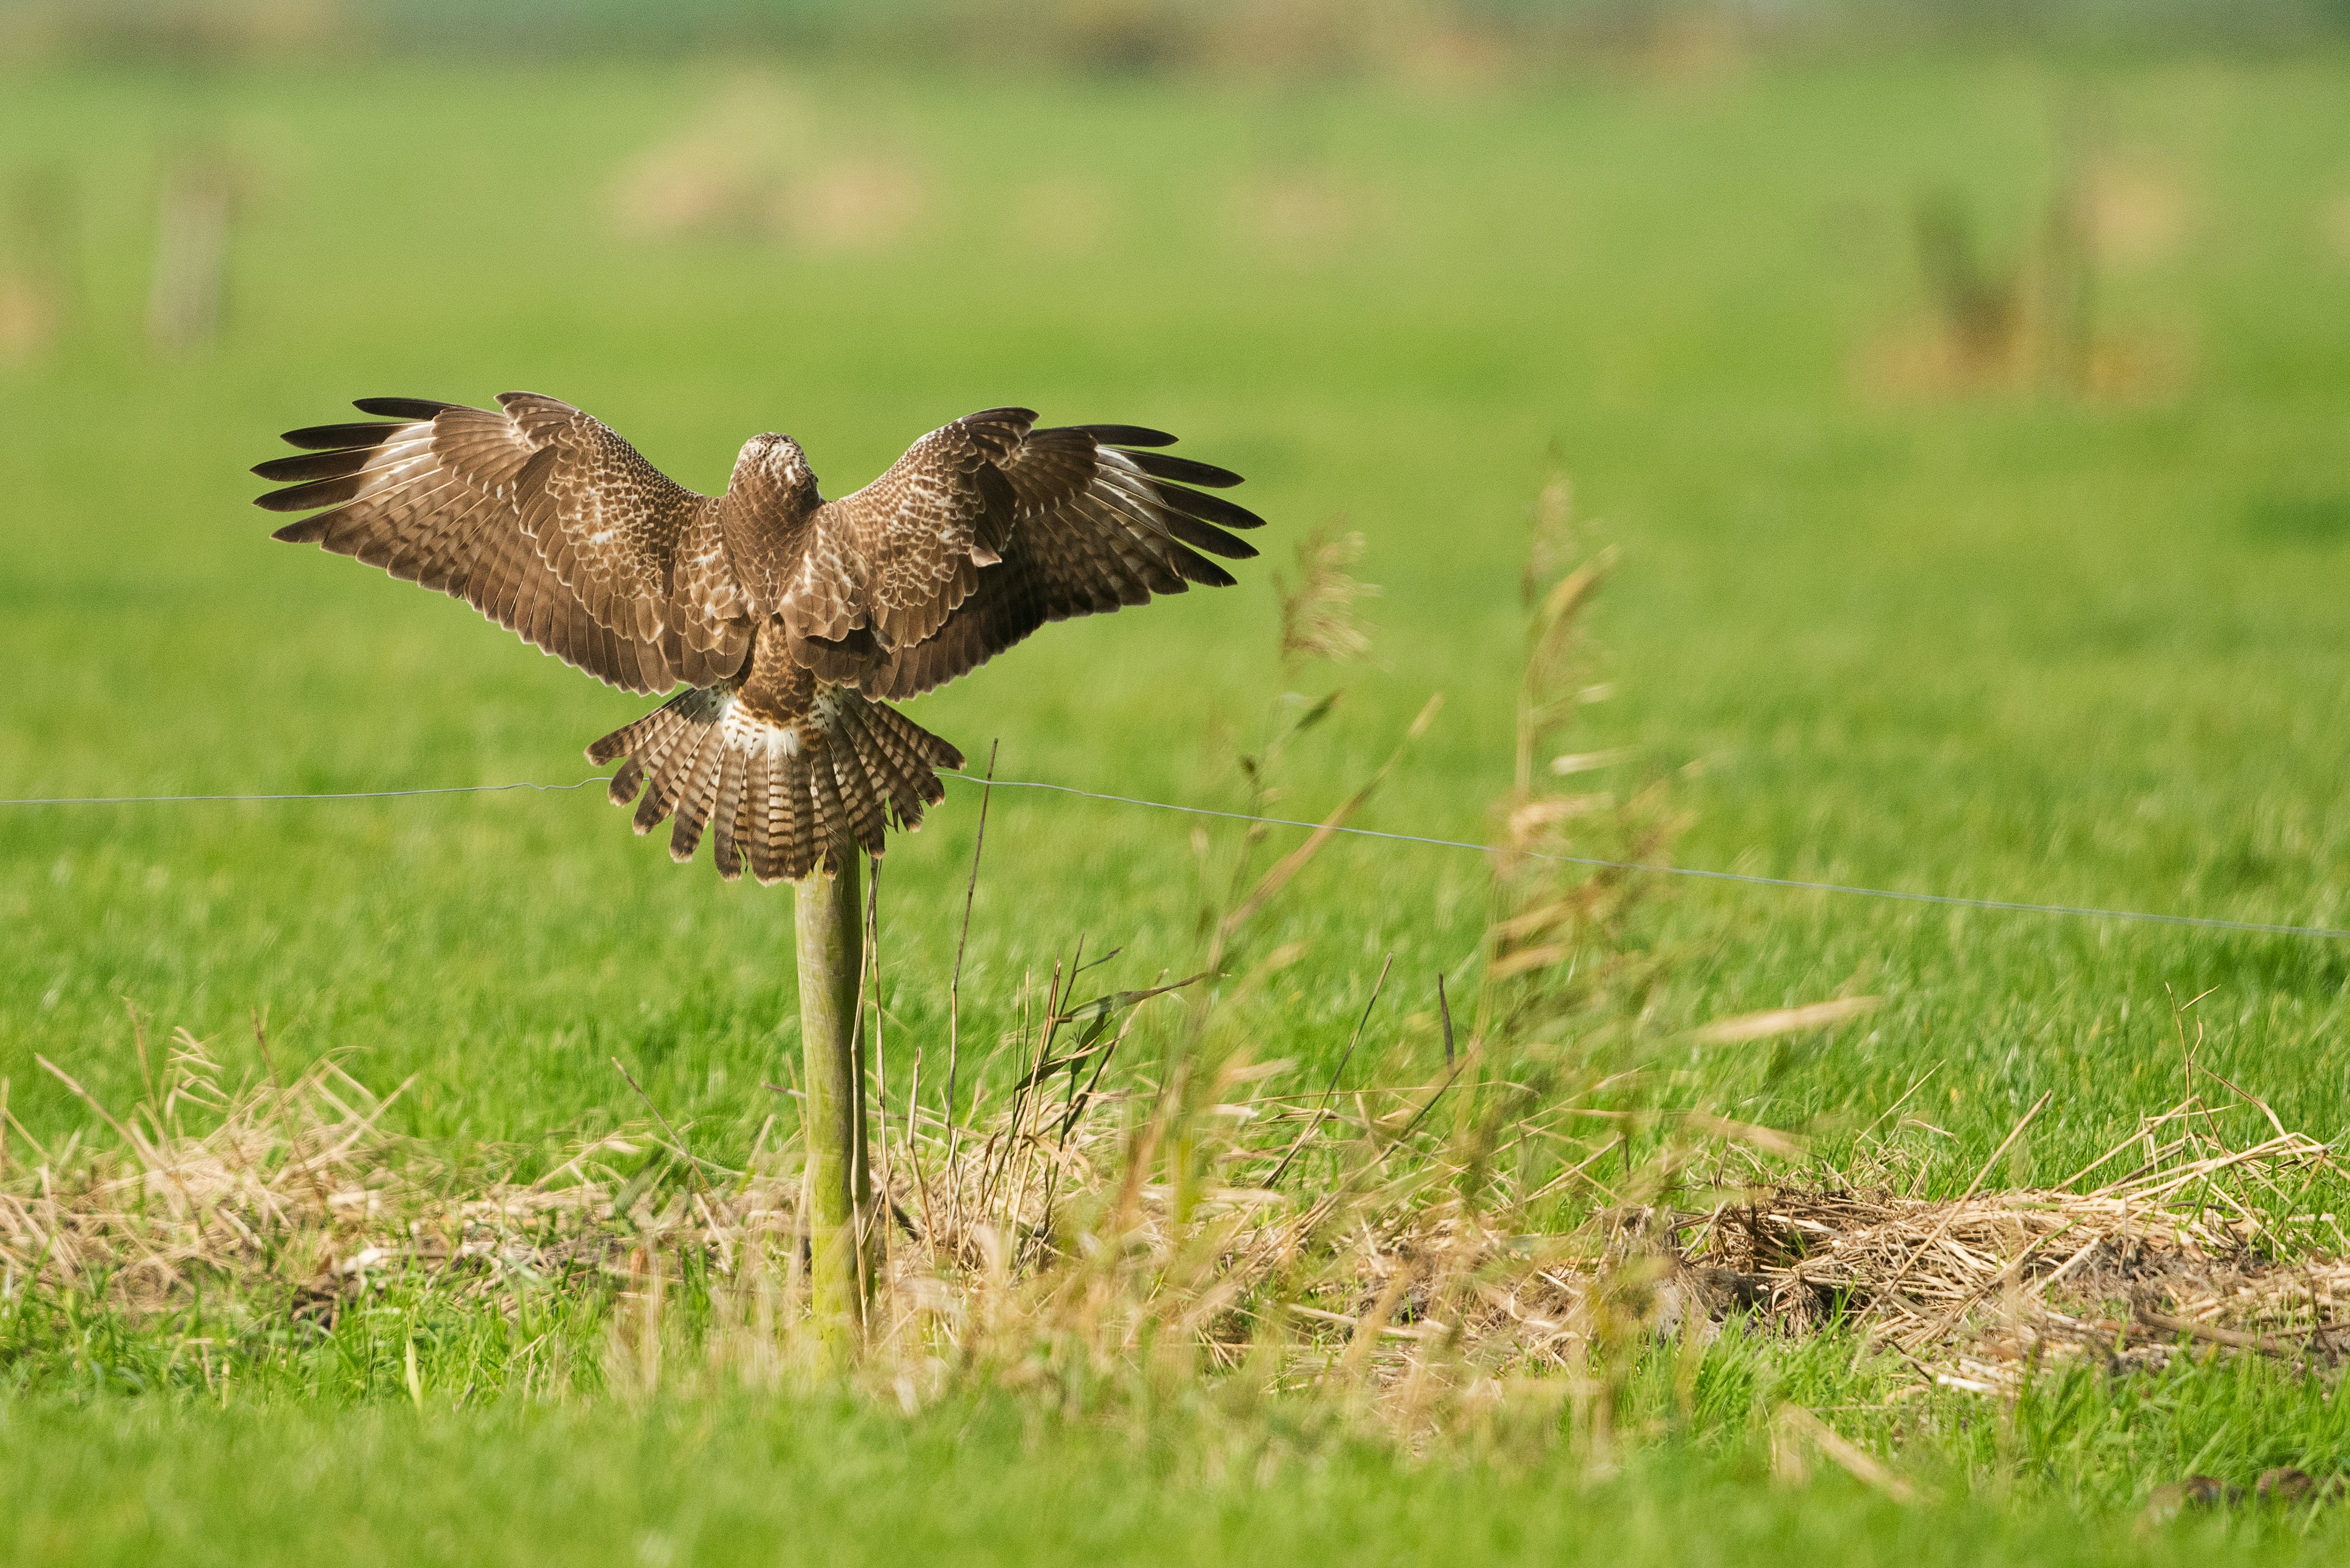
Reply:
x=733, y=1480
x=2037, y=649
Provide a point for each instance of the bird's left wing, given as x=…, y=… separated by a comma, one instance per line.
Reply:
x=538, y=515
x=1020, y=524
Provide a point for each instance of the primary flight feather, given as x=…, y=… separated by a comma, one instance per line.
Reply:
x=790, y=618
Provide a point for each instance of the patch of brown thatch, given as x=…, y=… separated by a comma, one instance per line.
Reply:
x=1979, y=1290
x=293, y=1198
x=1050, y=1244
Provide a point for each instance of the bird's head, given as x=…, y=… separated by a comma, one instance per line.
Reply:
x=775, y=465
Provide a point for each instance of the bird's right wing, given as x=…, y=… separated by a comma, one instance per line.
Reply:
x=539, y=516
x=988, y=528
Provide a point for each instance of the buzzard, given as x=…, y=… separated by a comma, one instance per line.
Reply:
x=790, y=619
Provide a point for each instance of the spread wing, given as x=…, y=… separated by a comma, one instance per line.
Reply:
x=539, y=516
x=987, y=529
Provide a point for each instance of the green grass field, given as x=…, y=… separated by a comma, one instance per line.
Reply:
x=2024, y=647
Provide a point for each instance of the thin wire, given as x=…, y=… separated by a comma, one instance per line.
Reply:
x=1947, y=900
x=346, y=794
x=1950, y=900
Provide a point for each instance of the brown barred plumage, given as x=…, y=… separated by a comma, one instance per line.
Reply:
x=788, y=616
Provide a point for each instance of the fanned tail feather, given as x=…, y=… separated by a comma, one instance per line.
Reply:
x=726, y=817
x=783, y=799
x=699, y=794
x=894, y=751
x=799, y=843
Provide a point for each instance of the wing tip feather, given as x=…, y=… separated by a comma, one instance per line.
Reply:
x=1127, y=435
x=402, y=407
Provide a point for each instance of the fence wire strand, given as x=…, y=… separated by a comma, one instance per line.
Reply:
x=1952, y=900
x=330, y=795
x=1745, y=878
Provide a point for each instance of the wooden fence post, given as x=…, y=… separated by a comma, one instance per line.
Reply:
x=828, y=924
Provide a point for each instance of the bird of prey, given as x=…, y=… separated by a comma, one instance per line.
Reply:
x=790, y=618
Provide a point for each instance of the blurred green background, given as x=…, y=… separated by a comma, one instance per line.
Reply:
x=1964, y=387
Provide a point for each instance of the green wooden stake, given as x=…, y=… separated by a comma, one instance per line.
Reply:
x=829, y=923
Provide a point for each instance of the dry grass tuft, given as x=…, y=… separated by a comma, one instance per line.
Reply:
x=293, y=1197
x=1318, y=619
x=28, y=321
x=2333, y=223
x=40, y=231
x=1088, y=1243
x=755, y=167
x=2033, y=322
x=1307, y=218
x=1981, y=1291
x=2139, y=212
